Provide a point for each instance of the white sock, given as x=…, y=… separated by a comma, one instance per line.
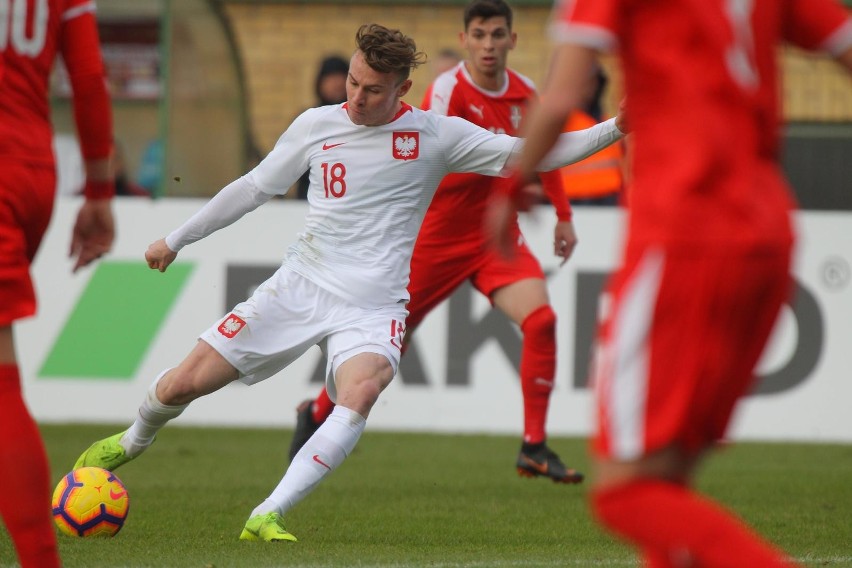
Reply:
x=152, y=416
x=321, y=454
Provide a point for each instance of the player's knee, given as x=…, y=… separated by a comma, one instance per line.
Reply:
x=360, y=395
x=368, y=392
x=361, y=379
x=177, y=387
x=540, y=326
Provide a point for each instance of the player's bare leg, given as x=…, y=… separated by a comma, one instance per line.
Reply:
x=311, y=413
x=202, y=372
x=359, y=381
x=527, y=304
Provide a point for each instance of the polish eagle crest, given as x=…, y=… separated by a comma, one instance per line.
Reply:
x=406, y=145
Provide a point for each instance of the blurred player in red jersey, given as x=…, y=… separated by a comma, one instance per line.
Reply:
x=706, y=260
x=451, y=247
x=32, y=33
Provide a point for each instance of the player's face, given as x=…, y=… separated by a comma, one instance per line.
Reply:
x=488, y=42
x=373, y=97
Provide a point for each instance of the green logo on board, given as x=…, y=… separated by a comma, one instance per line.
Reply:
x=115, y=320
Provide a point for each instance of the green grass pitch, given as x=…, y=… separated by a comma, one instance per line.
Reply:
x=440, y=501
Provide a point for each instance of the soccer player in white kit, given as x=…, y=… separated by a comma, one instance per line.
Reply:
x=374, y=165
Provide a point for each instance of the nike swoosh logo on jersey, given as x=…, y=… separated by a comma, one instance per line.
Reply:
x=328, y=146
x=322, y=463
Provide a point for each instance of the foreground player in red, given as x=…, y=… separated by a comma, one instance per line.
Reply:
x=451, y=247
x=706, y=261
x=30, y=38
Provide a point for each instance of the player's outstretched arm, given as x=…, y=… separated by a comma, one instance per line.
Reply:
x=159, y=256
x=230, y=204
x=571, y=147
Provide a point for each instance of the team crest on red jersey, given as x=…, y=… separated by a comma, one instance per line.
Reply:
x=406, y=145
x=231, y=326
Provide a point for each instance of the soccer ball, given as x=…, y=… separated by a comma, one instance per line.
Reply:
x=90, y=501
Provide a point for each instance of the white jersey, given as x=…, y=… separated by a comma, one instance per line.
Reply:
x=369, y=190
x=370, y=187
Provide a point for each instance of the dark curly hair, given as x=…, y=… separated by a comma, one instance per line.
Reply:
x=388, y=51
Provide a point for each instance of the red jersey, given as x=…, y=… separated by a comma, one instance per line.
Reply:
x=705, y=167
x=32, y=33
x=457, y=210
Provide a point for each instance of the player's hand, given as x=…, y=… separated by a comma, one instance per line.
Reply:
x=159, y=256
x=93, y=233
x=621, y=119
x=564, y=240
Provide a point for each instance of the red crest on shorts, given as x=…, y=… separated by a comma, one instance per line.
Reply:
x=397, y=331
x=231, y=326
x=406, y=145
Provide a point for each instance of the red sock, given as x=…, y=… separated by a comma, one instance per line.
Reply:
x=25, y=499
x=674, y=526
x=538, y=368
x=322, y=407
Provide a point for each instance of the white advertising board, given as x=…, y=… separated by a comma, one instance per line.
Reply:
x=460, y=375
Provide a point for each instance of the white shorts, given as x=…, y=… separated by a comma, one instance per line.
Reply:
x=288, y=314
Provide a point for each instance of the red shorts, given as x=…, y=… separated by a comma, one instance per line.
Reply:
x=681, y=343
x=438, y=269
x=26, y=204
